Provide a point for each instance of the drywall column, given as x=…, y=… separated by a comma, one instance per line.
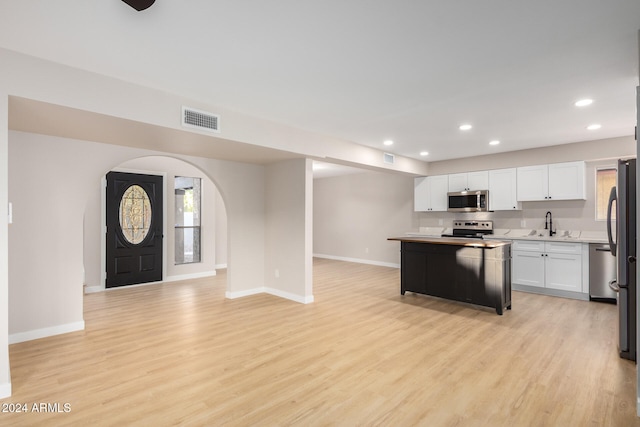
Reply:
x=289, y=230
x=5, y=374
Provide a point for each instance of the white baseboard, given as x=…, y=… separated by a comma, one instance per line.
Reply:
x=5, y=390
x=189, y=276
x=92, y=289
x=45, y=332
x=287, y=295
x=240, y=294
x=263, y=290
x=358, y=260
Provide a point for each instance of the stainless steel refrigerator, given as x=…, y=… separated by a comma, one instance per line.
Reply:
x=622, y=239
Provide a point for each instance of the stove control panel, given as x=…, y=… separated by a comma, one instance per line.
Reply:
x=473, y=225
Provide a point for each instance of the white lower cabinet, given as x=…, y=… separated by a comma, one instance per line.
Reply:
x=528, y=268
x=563, y=271
x=552, y=265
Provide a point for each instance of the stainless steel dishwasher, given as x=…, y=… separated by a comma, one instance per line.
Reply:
x=602, y=270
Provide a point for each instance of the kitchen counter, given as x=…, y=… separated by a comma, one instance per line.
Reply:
x=524, y=234
x=543, y=235
x=454, y=241
x=474, y=271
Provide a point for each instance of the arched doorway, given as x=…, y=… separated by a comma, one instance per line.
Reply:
x=213, y=246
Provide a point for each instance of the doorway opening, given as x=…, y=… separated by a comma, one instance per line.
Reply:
x=98, y=264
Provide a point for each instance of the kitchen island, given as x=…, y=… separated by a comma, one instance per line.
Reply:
x=475, y=271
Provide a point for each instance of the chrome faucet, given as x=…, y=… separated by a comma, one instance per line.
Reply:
x=548, y=224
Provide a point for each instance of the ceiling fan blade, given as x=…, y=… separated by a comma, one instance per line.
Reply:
x=139, y=4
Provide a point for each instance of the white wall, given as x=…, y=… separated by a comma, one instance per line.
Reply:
x=288, y=208
x=353, y=215
x=49, y=190
x=5, y=375
x=211, y=203
x=220, y=231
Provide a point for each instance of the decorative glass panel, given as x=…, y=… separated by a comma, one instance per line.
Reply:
x=187, y=223
x=135, y=214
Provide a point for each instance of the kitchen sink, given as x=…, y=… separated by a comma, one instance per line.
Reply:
x=544, y=235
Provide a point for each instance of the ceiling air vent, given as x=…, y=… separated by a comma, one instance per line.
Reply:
x=388, y=158
x=200, y=120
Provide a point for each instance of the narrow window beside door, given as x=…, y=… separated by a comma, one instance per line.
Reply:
x=187, y=228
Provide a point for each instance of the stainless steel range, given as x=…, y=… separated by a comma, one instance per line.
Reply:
x=470, y=229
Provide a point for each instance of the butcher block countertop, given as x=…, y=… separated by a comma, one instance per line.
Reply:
x=453, y=241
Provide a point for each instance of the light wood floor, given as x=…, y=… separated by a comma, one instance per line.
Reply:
x=362, y=354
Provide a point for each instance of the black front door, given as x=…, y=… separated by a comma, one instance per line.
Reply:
x=134, y=229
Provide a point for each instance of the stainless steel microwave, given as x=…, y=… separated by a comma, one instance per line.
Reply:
x=468, y=201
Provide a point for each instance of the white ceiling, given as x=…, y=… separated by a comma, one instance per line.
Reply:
x=366, y=71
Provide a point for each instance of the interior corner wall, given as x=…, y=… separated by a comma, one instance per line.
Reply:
x=5, y=373
x=353, y=215
x=288, y=230
x=49, y=190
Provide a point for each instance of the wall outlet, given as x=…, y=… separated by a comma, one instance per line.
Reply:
x=366, y=250
x=523, y=223
x=440, y=222
x=277, y=273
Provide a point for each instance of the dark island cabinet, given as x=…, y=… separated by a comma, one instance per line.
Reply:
x=476, y=275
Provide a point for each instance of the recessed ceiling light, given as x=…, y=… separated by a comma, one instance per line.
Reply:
x=424, y=153
x=583, y=102
x=388, y=142
x=465, y=127
x=594, y=126
x=494, y=142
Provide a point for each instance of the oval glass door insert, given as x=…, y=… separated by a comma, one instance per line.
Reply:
x=135, y=214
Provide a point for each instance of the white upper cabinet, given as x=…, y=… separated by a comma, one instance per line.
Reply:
x=457, y=182
x=566, y=181
x=558, y=181
x=502, y=190
x=430, y=193
x=533, y=183
x=469, y=181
